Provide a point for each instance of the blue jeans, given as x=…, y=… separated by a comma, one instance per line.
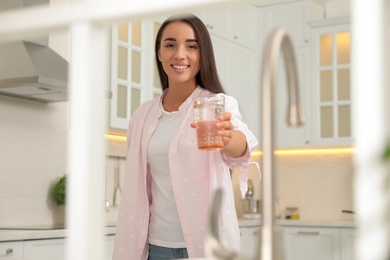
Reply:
x=162, y=253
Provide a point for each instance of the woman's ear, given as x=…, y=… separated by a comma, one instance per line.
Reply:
x=159, y=56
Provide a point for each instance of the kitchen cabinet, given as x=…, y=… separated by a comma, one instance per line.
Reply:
x=348, y=240
x=249, y=234
x=235, y=22
x=134, y=76
x=286, y=136
x=109, y=243
x=249, y=241
x=235, y=32
x=294, y=17
x=322, y=243
x=11, y=250
x=332, y=92
x=310, y=243
x=50, y=249
x=237, y=70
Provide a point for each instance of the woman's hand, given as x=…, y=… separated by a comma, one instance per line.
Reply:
x=225, y=127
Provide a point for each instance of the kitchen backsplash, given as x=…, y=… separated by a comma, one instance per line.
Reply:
x=33, y=143
x=320, y=185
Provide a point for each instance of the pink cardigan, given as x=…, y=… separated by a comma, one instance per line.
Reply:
x=195, y=176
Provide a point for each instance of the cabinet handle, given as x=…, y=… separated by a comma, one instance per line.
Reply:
x=235, y=37
x=9, y=251
x=308, y=233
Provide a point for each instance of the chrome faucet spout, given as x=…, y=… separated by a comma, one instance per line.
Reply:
x=270, y=248
x=214, y=249
x=278, y=42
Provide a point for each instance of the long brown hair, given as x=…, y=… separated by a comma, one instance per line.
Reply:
x=207, y=76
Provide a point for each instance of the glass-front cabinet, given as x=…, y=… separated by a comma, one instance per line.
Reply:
x=134, y=76
x=332, y=103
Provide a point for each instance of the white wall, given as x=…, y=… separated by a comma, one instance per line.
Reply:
x=33, y=143
x=319, y=185
x=33, y=156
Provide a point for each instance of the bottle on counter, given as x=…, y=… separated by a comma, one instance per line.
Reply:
x=250, y=205
x=292, y=213
x=250, y=193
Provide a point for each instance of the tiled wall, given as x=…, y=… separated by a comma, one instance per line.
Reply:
x=321, y=186
x=33, y=144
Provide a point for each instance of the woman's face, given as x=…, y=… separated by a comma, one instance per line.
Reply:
x=179, y=53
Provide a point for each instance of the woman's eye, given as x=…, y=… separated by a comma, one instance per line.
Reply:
x=169, y=45
x=192, y=47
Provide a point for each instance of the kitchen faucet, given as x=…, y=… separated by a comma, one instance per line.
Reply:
x=270, y=246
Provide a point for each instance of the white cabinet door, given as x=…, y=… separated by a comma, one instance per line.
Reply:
x=293, y=17
x=238, y=71
x=306, y=243
x=217, y=21
x=48, y=249
x=348, y=238
x=109, y=243
x=243, y=25
x=286, y=136
x=332, y=88
x=250, y=241
x=134, y=77
x=11, y=250
x=236, y=23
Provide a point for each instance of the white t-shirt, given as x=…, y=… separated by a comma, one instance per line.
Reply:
x=164, y=227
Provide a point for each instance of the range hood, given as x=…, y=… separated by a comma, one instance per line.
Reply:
x=33, y=71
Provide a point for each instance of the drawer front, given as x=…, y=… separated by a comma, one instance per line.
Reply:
x=9, y=250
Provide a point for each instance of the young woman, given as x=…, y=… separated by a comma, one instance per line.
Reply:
x=169, y=183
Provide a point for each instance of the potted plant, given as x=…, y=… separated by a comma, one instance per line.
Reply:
x=59, y=191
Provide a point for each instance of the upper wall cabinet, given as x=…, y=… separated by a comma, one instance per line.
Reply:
x=331, y=70
x=294, y=17
x=134, y=77
x=232, y=31
x=286, y=136
x=236, y=67
x=236, y=23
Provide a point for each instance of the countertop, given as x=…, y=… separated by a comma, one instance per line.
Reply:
x=8, y=234
x=316, y=223
x=248, y=222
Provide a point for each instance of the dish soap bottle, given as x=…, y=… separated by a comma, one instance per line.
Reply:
x=249, y=194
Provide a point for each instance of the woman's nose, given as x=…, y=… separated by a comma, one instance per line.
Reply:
x=180, y=53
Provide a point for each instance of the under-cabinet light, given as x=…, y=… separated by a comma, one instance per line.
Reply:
x=120, y=138
x=309, y=151
x=316, y=151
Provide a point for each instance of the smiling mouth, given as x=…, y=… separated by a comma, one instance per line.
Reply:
x=180, y=67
